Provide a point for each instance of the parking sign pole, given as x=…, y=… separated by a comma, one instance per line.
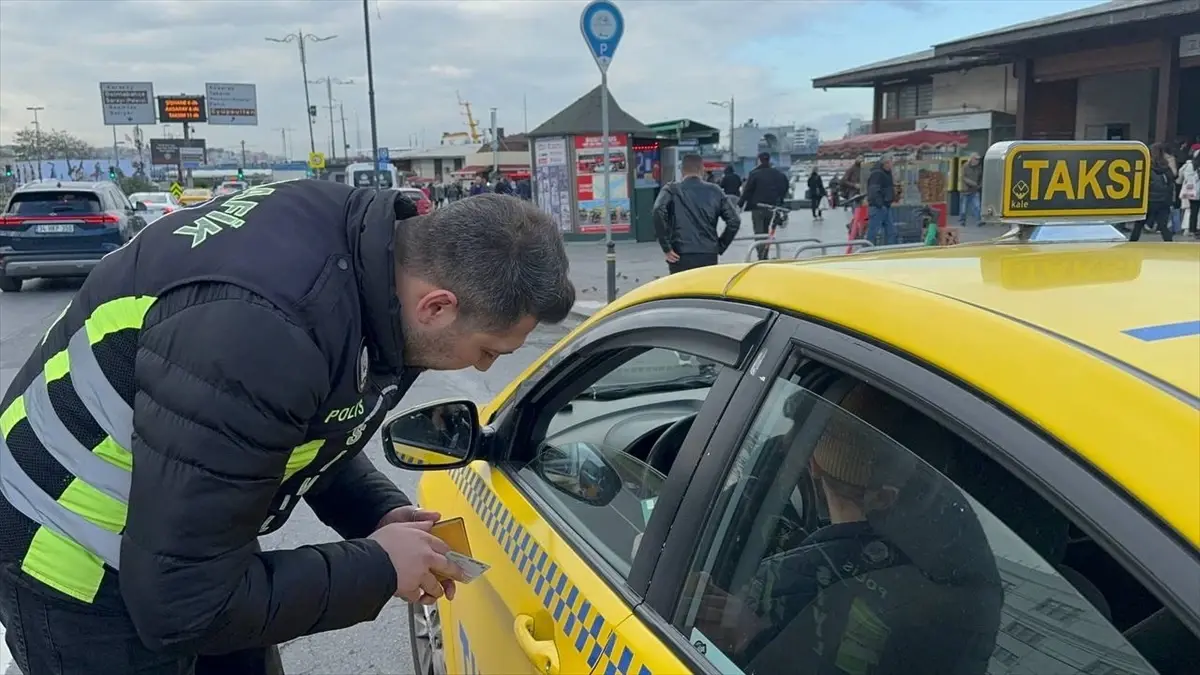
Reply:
x=602, y=26
x=610, y=248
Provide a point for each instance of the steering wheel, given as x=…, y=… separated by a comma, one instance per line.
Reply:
x=664, y=451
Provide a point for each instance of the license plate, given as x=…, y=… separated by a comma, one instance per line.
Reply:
x=54, y=229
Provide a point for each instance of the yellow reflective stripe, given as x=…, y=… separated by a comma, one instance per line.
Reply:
x=57, y=366
x=94, y=505
x=118, y=314
x=13, y=414
x=63, y=565
x=302, y=456
x=114, y=454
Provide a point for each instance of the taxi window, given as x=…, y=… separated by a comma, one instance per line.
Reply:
x=607, y=453
x=834, y=547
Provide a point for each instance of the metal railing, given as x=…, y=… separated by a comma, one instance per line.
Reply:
x=826, y=245
x=766, y=238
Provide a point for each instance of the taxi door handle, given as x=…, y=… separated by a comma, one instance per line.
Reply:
x=542, y=653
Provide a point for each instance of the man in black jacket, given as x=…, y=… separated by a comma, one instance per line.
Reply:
x=229, y=360
x=768, y=186
x=881, y=192
x=685, y=219
x=731, y=183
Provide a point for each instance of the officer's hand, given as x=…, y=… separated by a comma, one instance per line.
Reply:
x=672, y=256
x=419, y=559
x=408, y=514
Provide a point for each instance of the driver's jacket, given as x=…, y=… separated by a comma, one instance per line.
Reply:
x=229, y=360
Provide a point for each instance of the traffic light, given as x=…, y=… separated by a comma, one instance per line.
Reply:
x=241, y=174
x=8, y=170
x=112, y=173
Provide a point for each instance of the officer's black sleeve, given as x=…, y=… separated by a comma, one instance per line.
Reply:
x=354, y=499
x=749, y=188
x=732, y=222
x=664, y=224
x=225, y=387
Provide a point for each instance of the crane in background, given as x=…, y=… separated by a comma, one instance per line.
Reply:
x=472, y=125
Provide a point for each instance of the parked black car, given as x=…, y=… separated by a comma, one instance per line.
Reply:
x=55, y=228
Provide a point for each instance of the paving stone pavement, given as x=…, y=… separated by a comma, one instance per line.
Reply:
x=639, y=263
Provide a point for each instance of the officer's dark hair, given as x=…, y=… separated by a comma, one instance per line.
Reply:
x=502, y=256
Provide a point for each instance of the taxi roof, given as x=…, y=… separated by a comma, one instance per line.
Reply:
x=1098, y=344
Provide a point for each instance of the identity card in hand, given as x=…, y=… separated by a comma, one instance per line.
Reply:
x=471, y=567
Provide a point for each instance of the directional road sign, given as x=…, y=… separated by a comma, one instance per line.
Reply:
x=384, y=159
x=176, y=190
x=602, y=26
x=316, y=160
x=127, y=102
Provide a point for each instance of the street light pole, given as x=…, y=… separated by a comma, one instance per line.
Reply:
x=37, y=136
x=345, y=143
x=495, y=148
x=728, y=104
x=300, y=37
x=329, y=81
x=371, y=88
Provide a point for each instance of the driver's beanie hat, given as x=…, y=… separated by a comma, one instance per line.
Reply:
x=852, y=452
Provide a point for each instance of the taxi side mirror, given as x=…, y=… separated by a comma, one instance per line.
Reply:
x=579, y=471
x=436, y=436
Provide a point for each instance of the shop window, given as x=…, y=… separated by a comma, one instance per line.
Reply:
x=908, y=101
x=1059, y=611
x=1024, y=633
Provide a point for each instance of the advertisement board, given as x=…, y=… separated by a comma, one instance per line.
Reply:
x=552, y=180
x=232, y=104
x=647, y=166
x=171, y=151
x=589, y=183
x=127, y=102
x=177, y=109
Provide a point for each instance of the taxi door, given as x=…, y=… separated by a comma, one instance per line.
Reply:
x=549, y=603
x=540, y=608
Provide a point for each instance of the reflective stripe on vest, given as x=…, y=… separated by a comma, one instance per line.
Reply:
x=81, y=530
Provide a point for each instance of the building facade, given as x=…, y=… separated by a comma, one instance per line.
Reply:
x=1119, y=70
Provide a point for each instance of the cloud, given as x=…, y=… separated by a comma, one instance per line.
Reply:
x=506, y=54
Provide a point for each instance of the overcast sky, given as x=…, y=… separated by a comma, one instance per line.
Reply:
x=676, y=55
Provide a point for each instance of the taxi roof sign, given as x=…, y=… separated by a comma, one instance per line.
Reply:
x=1053, y=181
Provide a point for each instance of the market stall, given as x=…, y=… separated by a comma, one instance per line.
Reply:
x=923, y=168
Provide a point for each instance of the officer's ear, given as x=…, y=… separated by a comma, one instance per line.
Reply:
x=436, y=308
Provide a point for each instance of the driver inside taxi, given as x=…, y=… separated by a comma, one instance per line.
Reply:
x=863, y=476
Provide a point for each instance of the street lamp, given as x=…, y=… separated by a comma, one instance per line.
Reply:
x=371, y=87
x=37, y=136
x=300, y=37
x=727, y=104
x=329, y=82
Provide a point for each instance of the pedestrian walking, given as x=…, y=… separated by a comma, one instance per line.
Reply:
x=731, y=182
x=1189, y=192
x=815, y=193
x=766, y=186
x=972, y=182
x=686, y=215
x=1161, y=194
x=209, y=386
x=881, y=192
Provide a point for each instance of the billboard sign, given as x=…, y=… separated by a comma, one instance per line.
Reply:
x=183, y=108
x=173, y=151
x=127, y=102
x=232, y=104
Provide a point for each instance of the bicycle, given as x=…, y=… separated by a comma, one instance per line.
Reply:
x=779, y=218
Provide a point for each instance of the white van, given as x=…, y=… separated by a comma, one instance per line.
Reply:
x=360, y=174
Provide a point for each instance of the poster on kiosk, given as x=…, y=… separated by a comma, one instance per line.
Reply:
x=589, y=183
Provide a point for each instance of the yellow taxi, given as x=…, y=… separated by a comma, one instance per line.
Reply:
x=194, y=196
x=973, y=459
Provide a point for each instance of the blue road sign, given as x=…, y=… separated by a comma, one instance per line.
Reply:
x=384, y=155
x=602, y=26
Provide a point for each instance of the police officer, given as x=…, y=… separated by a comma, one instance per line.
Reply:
x=229, y=360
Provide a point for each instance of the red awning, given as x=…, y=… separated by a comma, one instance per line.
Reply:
x=893, y=140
